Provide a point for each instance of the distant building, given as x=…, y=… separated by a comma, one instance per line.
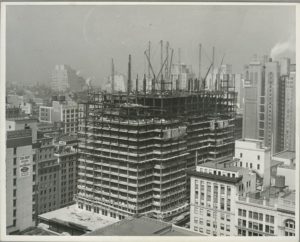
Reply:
x=214, y=188
x=269, y=103
x=290, y=111
x=253, y=115
x=119, y=83
x=65, y=78
x=65, y=112
x=180, y=75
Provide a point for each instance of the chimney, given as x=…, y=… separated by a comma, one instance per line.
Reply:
x=144, y=84
x=129, y=76
x=137, y=83
x=112, y=76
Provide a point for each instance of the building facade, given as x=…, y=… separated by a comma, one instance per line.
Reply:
x=21, y=135
x=132, y=158
x=214, y=188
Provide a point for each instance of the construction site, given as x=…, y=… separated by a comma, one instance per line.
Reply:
x=135, y=147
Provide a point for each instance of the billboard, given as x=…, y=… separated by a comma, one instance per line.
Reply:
x=25, y=164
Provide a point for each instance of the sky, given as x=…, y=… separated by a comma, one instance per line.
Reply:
x=88, y=37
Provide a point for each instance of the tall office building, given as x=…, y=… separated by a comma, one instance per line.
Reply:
x=289, y=115
x=272, y=119
x=65, y=78
x=253, y=119
x=268, y=103
x=21, y=138
x=134, y=150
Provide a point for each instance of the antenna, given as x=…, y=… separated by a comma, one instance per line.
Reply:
x=112, y=76
x=129, y=76
x=213, y=65
x=199, y=75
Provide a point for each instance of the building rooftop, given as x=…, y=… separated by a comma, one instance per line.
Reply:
x=285, y=155
x=220, y=166
x=142, y=226
x=72, y=214
x=36, y=231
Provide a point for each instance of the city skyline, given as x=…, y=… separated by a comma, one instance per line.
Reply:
x=193, y=130
x=82, y=28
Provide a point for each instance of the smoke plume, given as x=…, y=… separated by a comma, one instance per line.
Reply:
x=282, y=48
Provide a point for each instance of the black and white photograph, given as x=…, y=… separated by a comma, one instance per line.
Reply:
x=149, y=119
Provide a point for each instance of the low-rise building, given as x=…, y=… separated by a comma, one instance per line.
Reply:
x=270, y=213
x=214, y=188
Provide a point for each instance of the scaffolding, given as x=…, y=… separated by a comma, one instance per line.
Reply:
x=134, y=148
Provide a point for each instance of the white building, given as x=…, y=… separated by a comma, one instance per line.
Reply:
x=286, y=169
x=250, y=153
x=66, y=112
x=20, y=172
x=269, y=214
x=214, y=188
x=65, y=78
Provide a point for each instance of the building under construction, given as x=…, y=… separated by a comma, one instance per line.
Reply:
x=136, y=146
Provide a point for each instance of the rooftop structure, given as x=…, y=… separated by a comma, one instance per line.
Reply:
x=142, y=226
x=72, y=218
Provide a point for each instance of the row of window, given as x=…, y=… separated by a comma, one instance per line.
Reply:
x=209, y=232
x=241, y=156
x=256, y=215
x=256, y=226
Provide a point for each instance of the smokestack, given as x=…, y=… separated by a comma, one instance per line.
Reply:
x=144, y=84
x=137, y=83
x=153, y=84
x=129, y=76
x=199, y=77
x=112, y=76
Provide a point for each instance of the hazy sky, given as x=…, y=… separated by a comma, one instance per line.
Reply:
x=87, y=37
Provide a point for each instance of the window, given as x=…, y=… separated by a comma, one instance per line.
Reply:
x=228, y=228
x=222, y=226
x=15, y=213
x=244, y=213
x=267, y=228
x=15, y=192
x=258, y=166
x=15, y=150
x=250, y=225
x=222, y=216
x=14, y=222
x=208, y=213
x=250, y=214
x=267, y=218
x=15, y=181
x=201, y=221
x=241, y=164
x=272, y=219
x=250, y=165
x=271, y=230
x=15, y=202
x=241, y=155
x=260, y=227
x=195, y=220
x=15, y=161
x=258, y=157
x=195, y=228
x=255, y=215
x=261, y=217
x=207, y=223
